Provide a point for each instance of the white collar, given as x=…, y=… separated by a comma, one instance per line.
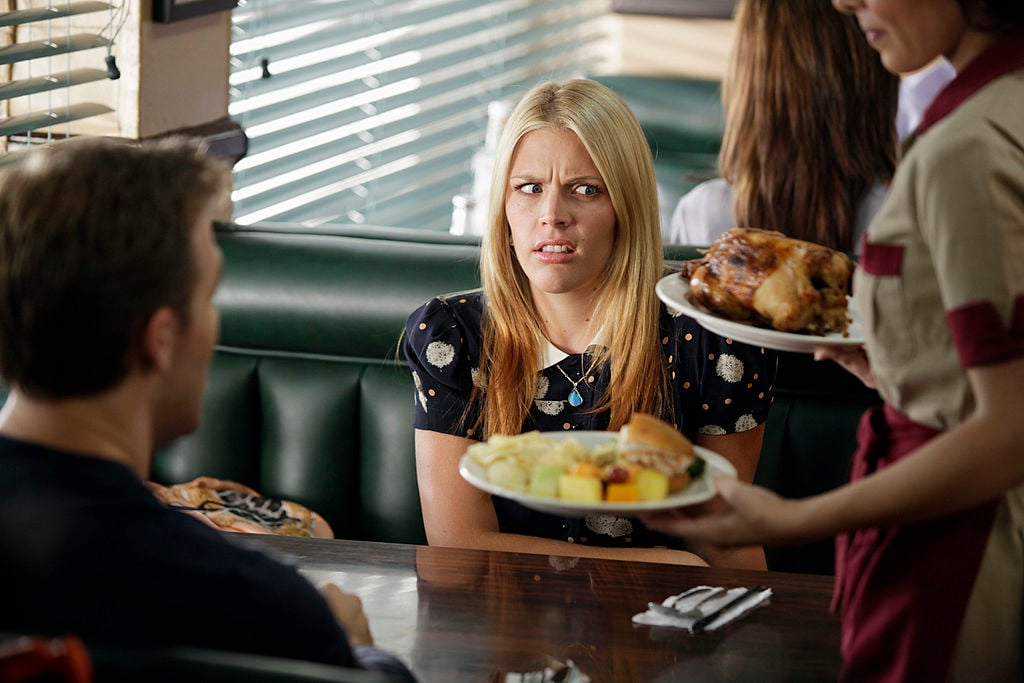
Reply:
x=551, y=354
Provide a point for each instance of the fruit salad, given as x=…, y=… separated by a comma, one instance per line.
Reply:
x=564, y=468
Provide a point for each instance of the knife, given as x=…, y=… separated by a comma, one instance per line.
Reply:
x=703, y=622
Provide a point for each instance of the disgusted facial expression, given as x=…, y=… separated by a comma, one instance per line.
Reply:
x=560, y=215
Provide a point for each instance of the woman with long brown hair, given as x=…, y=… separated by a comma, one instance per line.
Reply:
x=567, y=333
x=810, y=134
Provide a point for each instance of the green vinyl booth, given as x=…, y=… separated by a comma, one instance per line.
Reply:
x=308, y=397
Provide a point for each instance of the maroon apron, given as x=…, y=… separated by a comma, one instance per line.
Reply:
x=902, y=624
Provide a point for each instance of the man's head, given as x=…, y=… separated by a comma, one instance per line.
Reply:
x=99, y=239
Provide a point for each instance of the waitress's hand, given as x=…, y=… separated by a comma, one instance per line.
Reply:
x=853, y=359
x=742, y=515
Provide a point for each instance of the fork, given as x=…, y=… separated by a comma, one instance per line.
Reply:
x=693, y=611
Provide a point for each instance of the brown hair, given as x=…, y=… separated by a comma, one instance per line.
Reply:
x=95, y=235
x=511, y=337
x=993, y=16
x=810, y=120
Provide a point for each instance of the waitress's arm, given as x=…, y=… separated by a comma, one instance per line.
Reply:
x=970, y=464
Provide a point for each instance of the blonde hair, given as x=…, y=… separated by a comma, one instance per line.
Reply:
x=809, y=120
x=512, y=340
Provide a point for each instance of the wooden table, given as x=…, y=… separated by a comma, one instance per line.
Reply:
x=463, y=615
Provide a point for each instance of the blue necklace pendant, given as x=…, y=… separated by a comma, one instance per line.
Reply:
x=575, y=400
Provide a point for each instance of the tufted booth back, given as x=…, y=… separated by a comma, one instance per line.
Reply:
x=306, y=398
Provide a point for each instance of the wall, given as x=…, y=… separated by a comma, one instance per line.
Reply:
x=172, y=75
x=670, y=46
x=183, y=70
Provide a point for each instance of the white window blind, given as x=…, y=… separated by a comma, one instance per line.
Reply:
x=362, y=111
x=43, y=90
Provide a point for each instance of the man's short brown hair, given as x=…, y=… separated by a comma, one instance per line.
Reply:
x=95, y=235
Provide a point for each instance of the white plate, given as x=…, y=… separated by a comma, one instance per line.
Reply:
x=698, y=491
x=675, y=292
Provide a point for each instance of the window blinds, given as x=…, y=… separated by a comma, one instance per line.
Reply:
x=37, y=81
x=363, y=111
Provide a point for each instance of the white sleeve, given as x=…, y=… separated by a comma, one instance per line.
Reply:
x=917, y=90
x=704, y=213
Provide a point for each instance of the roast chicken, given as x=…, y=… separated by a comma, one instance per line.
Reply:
x=770, y=280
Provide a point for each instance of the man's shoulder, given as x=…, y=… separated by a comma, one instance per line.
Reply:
x=29, y=464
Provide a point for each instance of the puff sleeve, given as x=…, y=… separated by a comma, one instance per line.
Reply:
x=721, y=386
x=441, y=346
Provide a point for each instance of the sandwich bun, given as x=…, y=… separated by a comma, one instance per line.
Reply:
x=650, y=443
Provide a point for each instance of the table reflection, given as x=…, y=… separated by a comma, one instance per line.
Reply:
x=463, y=615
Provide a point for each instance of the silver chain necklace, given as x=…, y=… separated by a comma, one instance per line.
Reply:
x=575, y=398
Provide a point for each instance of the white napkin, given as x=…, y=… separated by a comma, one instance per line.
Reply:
x=563, y=673
x=687, y=600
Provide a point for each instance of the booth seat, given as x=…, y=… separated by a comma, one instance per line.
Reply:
x=309, y=399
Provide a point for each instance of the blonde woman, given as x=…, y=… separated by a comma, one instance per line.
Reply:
x=567, y=333
x=810, y=130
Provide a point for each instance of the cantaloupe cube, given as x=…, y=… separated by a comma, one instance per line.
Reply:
x=544, y=480
x=621, y=493
x=651, y=485
x=585, y=469
x=579, y=489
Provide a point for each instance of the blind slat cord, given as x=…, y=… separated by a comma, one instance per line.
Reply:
x=47, y=65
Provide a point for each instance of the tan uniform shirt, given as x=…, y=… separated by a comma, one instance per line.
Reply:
x=941, y=282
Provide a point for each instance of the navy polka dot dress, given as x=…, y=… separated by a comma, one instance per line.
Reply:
x=719, y=387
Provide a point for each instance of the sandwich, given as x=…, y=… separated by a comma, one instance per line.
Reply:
x=646, y=442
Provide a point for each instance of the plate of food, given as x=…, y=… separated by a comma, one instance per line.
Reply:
x=761, y=288
x=675, y=292
x=647, y=465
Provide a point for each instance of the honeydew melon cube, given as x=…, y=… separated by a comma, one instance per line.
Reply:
x=651, y=485
x=579, y=489
x=544, y=480
x=507, y=475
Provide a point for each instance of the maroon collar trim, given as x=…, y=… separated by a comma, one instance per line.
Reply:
x=1006, y=55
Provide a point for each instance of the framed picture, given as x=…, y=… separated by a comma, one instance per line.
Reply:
x=166, y=11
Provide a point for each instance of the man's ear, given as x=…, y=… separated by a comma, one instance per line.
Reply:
x=159, y=337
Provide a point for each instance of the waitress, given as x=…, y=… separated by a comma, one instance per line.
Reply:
x=930, y=563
